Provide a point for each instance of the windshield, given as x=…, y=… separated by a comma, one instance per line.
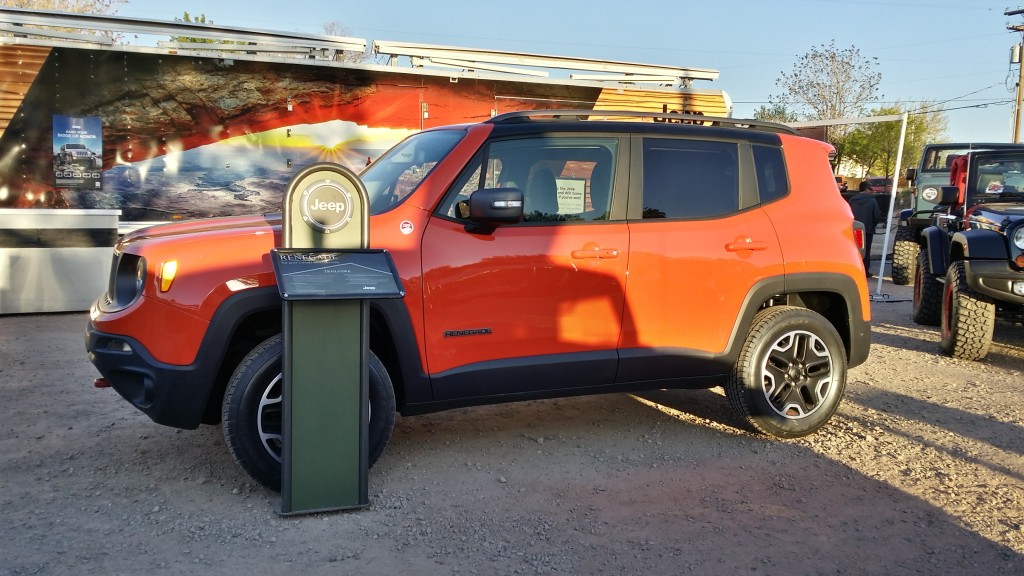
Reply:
x=998, y=179
x=397, y=174
x=940, y=159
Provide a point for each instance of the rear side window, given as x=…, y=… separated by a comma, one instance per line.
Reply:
x=772, y=182
x=689, y=178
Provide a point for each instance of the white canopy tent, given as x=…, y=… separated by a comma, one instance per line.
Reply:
x=895, y=175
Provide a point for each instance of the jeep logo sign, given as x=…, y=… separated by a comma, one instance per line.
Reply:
x=325, y=206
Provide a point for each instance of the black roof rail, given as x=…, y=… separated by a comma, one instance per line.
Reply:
x=583, y=114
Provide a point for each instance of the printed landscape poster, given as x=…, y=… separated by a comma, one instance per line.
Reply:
x=78, y=152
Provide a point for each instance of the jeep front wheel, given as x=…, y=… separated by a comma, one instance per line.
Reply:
x=904, y=256
x=968, y=318
x=252, y=412
x=791, y=373
x=927, y=292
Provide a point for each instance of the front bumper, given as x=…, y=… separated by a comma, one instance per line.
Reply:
x=994, y=278
x=170, y=395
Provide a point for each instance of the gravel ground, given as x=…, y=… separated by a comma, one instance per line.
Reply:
x=921, y=472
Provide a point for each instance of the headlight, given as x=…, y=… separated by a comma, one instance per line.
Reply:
x=128, y=280
x=140, y=275
x=1018, y=237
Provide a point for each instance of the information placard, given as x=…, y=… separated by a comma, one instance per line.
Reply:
x=335, y=274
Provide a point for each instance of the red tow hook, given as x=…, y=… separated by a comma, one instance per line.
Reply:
x=101, y=383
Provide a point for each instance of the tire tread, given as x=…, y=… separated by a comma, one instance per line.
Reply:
x=969, y=322
x=927, y=307
x=904, y=256
x=741, y=392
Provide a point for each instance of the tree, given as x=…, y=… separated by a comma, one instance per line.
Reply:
x=828, y=83
x=875, y=145
x=335, y=28
x=201, y=19
x=777, y=112
x=76, y=6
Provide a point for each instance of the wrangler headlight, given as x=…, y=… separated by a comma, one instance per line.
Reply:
x=1018, y=237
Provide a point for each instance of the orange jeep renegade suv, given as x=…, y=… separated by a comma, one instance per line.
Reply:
x=683, y=252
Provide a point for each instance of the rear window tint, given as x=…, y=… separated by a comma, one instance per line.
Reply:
x=772, y=181
x=690, y=178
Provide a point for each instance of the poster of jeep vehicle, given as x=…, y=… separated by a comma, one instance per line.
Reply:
x=77, y=163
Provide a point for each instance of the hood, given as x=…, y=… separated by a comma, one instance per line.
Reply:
x=267, y=222
x=996, y=215
x=1013, y=211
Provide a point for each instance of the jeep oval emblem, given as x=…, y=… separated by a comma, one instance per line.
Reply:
x=325, y=206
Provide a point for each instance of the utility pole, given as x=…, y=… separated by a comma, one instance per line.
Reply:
x=1015, y=58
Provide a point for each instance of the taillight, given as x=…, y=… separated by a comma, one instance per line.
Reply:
x=858, y=237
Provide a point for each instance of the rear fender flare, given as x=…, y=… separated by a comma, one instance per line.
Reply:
x=807, y=290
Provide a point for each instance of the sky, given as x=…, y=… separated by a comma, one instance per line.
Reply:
x=955, y=52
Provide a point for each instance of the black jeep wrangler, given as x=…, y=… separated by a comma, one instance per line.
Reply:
x=970, y=267
x=925, y=181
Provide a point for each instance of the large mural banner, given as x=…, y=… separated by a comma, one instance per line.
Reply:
x=167, y=136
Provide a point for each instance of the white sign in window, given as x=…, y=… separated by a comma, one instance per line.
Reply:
x=572, y=195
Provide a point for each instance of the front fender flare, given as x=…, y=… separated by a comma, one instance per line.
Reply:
x=937, y=243
x=982, y=245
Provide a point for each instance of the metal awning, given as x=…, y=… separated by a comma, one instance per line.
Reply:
x=15, y=23
x=538, y=64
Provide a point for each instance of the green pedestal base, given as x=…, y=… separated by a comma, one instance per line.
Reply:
x=325, y=407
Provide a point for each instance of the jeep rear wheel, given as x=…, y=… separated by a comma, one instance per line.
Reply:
x=904, y=256
x=927, y=292
x=968, y=318
x=252, y=412
x=791, y=373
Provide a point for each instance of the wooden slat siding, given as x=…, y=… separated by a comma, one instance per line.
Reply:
x=19, y=66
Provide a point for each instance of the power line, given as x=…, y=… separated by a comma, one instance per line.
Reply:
x=965, y=95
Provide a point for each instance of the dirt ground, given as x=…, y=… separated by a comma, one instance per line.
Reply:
x=921, y=472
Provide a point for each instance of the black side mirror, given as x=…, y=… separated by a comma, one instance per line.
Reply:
x=911, y=175
x=948, y=195
x=493, y=207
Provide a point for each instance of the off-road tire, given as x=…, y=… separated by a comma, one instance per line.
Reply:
x=968, y=318
x=927, y=292
x=253, y=400
x=791, y=373
x=904, y=256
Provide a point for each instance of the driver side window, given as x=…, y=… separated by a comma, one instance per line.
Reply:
x=473, y=178
x=562, y=179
